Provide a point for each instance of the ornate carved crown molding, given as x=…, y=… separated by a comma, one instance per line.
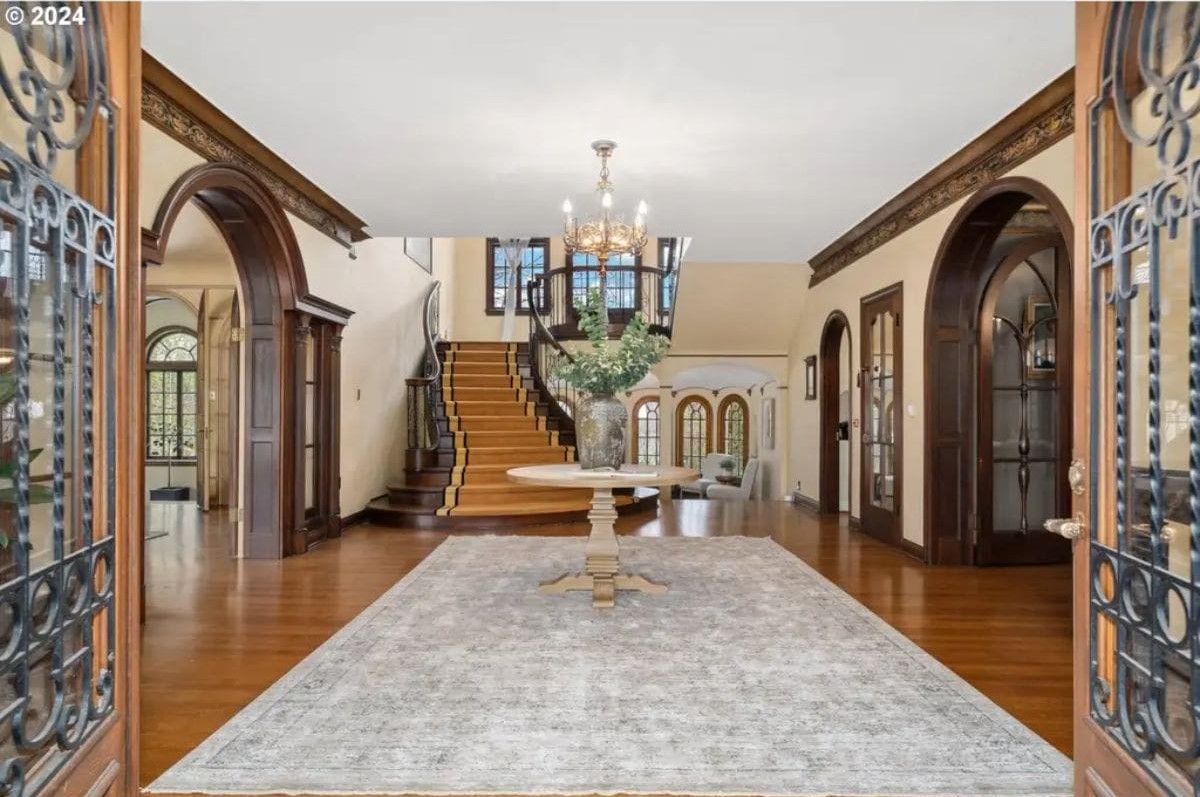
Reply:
x=179, y=111
x=1046, y=118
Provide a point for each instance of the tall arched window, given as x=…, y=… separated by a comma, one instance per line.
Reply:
x=647, y=432
x=733, y=430
x=171, y=395
x=693, y=431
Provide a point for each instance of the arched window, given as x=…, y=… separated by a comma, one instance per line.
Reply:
x=693, y=431
x=171, y=395
x=733, y=430
x=647, y=432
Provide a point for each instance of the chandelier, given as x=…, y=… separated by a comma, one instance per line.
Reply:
x=604, y=236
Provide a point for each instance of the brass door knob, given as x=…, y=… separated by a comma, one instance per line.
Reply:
x=1066, y=527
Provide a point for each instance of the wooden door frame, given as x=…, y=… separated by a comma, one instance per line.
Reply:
x=202, y=403
x=271, y=272
x=895, y=534
x=1039, y=546
x=952, y=304
x=829, y=397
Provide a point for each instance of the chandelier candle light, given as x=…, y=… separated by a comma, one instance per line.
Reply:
x=605, y=236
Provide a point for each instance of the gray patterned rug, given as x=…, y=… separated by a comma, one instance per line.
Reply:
x=752, y=676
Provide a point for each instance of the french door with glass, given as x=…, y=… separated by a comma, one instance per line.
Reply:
x=882, y=397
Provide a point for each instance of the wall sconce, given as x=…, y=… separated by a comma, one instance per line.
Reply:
x=810, y=377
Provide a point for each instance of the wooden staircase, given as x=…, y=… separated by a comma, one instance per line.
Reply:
x=488, y=415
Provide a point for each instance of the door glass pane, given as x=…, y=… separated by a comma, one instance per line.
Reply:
x=1024, y=397
x=882, y=409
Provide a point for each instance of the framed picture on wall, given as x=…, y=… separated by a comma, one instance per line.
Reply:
x=768, y=424
x=1040, y=328
x=810, y=377
x=420, y=250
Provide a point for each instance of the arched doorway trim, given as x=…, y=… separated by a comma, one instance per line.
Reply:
x=829, y=397
x=956, y=286
x=281, y=321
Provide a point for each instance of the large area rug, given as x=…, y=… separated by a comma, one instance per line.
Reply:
x=752, y=676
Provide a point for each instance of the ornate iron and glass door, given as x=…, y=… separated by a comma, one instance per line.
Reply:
x=1137, y=483
x=882, y=397
x=60, y=657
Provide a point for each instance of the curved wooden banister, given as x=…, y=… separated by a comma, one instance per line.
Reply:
x=423, y=390
x=538, y=328
x=544, y=350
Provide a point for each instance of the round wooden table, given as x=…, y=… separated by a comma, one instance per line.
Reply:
x=601, y=569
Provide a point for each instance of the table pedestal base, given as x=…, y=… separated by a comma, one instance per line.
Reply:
x=602, y=561
x=603, y=587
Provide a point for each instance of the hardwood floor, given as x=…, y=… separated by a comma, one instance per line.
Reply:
x=218, y=631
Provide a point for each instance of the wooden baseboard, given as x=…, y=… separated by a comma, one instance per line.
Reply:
x=355, y=518
x=913, y=549
x=801, y=500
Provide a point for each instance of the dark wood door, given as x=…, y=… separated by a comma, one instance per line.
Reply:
x=1136, y=478
x=1024, y=404
x=881, y=376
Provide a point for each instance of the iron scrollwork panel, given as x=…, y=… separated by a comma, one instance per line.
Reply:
x=57, y=406
x=1144, y=537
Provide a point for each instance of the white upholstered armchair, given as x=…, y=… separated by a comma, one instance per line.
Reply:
x=710, y=466
x=742, y=492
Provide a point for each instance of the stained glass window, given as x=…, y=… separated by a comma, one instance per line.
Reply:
x=694, y=432
x=733, y=430
x=647, y=432
x=171, y=396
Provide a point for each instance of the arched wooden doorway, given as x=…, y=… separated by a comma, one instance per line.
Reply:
x=833, y=465
x=989, y=228
x=291, y=346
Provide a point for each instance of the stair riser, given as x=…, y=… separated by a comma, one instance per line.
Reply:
x=502, y=423
x=518, y=497
x=483, y=456
x=426, y=499
x=486, y=394
x=481, y=357
x=502, y=439
x=449, y=382
x=491, y=346
x=461, y=369
x=492, y=409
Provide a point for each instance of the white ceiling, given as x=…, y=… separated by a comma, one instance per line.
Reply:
x=764, y=130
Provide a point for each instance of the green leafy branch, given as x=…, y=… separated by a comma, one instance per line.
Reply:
x=607, y=368
x=38, y=493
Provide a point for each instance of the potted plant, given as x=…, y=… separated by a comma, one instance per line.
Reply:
x=600, y=372
x=726, y=475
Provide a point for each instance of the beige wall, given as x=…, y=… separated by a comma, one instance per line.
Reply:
x=907, y=259
x=382, y=344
